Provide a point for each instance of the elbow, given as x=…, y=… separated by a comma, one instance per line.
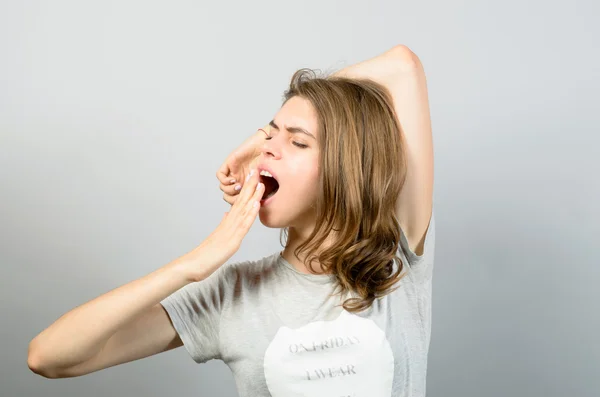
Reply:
x=36, y=363
x=37, y=367
x=406, y=59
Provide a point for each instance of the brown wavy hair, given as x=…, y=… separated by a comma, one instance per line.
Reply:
x=362, y=168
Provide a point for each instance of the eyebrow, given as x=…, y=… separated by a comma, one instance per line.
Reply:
x=293, y=130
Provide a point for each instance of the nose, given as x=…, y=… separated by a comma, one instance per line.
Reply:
x=270, y=149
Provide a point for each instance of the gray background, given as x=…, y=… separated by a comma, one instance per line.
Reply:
x=115, y=115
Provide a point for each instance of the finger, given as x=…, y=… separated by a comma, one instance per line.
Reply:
x=246, y=219
x=224, y=175
x=249, y=186
x=258, y=194
x=229, y=199
x=232, y=190
x=234, y=161
x=254, y=200
x=227, y=180
x=248, y=190
x=228, y=172
x=223, y=170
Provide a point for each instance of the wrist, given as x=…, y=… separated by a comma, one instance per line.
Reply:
x=181, y=270
x=202, y=261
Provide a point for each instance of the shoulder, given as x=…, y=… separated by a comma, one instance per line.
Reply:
x=251, y=271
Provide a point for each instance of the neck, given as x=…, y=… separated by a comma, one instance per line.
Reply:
x=297, y=236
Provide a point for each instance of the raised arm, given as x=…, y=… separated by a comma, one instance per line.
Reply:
x=401, y=72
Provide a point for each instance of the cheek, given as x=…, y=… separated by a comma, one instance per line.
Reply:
x=311, y=184
x=303, y=193
x=305, y=183
x=304, y=167
x=305, y=175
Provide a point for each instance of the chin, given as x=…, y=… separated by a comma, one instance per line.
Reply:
x=271, y=222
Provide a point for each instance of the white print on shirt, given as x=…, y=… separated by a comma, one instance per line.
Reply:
x=348, y=356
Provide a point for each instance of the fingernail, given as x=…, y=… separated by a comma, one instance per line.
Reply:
x=232, y=181
x=249, y=175
x=259, y=186
x=237, y=187
x=255, y=204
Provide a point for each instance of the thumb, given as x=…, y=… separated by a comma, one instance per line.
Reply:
x=234, y=162
x=224, y=170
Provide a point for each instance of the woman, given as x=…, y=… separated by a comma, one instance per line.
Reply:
x=345, y=169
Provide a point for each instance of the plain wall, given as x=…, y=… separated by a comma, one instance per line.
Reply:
x=115, y=115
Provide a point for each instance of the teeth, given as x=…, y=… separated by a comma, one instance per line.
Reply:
x=266, y=173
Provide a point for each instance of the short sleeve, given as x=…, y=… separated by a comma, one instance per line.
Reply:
x=421, y=266
x=195, y=311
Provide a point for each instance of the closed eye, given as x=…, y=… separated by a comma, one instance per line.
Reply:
x=300, y=145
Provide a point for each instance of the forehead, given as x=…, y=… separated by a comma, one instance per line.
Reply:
x=297, y=112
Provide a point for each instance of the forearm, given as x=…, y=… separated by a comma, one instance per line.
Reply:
x=81, y=333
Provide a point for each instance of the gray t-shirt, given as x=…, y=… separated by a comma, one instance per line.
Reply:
x=282, y=335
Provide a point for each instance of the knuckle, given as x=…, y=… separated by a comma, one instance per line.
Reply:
x=248, y=222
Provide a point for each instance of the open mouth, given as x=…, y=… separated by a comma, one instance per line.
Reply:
x=271, y=184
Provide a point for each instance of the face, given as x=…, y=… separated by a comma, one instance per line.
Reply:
x=293, y=158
